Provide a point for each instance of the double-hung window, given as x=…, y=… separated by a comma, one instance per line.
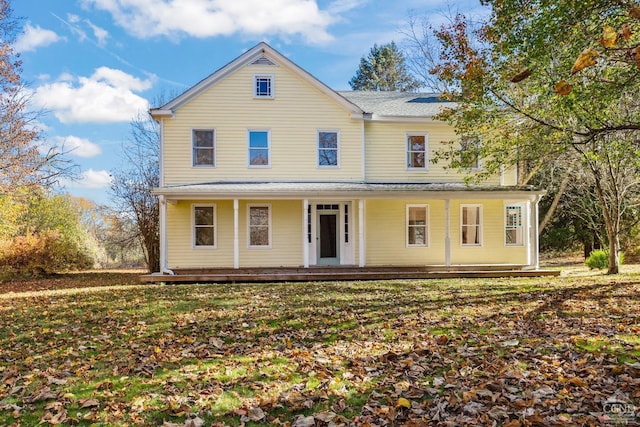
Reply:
x=469, y=152
x=263, y=86
x=417, y=146
x=204, y=226
x=327, y=149
x=513, y=230
x=259, y=226
x=259, y=144
x=203, y=143
x=417, y=225
x=471, y=225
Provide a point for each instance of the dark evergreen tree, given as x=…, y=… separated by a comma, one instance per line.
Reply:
x=384, y=69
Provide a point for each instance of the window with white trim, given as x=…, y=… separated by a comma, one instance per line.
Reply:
x=417, y=225
x=471, y=225
x=328, y=149
x=417, y=145
x=513, y=230
x=263, y=86
x=203, y=143
x=204, y=226
x=259, y=226
x=259, y=144
x=470, y=152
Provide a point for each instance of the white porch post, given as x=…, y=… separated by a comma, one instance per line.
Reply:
x=361, y=240
x=447, y=233
x=163, y=234
x=236, y=239
x=536, y=240
x=528, y=232
x=305, y=226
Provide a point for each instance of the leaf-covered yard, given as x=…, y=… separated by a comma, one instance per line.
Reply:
x=510, y=352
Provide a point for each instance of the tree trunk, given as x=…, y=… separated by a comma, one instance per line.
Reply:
x=613, y=226
x=556, y=200
x=614, y=254
x=588, y=247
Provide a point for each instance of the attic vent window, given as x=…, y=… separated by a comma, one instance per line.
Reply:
x=263, y=60
x=263, y=85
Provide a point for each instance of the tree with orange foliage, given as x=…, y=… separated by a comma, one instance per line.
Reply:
x=537, y=81
x=22, y=162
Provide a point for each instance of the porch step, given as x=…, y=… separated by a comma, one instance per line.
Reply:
x=340, y=273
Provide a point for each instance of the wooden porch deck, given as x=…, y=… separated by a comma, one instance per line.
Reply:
x=300, y=274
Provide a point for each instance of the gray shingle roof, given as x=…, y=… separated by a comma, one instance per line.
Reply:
x=397, y=104
x=336, y=189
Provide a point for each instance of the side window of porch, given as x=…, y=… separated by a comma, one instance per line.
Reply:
x=471, y=225
x=204, y=226
x=203, y=143
x=513, y=229
x=259, y=226
x=417, y=225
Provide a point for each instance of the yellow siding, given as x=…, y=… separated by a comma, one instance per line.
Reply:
x=493, y=250
x=294, y=116
x=181, y=252
x=385, y=228
x=286, y=236
x=286, y=244
x=386, y=232
x=386, y=152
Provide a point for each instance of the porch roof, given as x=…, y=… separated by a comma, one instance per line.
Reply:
x=345, y=190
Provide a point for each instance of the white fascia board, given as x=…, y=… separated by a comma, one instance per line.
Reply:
x=403, y=119
x=178, y=194
x=158, y=113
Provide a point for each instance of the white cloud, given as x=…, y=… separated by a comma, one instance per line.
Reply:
x=80, y=147
x=35, y=37
x=100, y=33
x=107, y=96
x=91, y=179
x=210, y=18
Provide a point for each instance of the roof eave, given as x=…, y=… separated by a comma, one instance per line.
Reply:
x=387, y=118
x=262, y=194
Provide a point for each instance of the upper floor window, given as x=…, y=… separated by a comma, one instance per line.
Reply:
x=203, y=142
x=417, y=151
x=471, y=225
x=327, y=149
x=417, y=225
x=513, y=230
x=470, y=152
x=263, y=86
x=204, y=226
x=259, y=148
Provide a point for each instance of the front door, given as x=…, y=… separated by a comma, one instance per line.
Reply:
x=328, y=249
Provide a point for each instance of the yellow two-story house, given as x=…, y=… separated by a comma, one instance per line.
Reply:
x=264, y=166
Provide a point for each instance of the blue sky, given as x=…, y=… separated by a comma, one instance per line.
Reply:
x=93, y=65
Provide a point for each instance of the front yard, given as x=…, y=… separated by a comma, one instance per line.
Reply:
x=516, y=352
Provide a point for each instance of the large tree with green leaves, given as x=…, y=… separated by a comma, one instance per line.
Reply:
x=548, y=80
x=384, y=69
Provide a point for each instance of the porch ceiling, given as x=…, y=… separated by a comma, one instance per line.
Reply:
x=344, y=190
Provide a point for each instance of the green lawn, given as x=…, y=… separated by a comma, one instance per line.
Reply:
x=419, y=352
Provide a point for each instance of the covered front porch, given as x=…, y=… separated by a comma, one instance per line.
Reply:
x=343, y=231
